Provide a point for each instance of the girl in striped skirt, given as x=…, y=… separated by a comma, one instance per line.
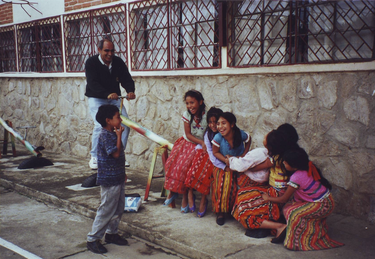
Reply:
x=306, y=214
x=234, y=142
x=250, y=209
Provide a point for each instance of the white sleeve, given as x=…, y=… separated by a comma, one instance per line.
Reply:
x=252, y=158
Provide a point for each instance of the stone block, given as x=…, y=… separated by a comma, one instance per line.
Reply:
x=337, y=171
x=140, y=145
x=344, y=134
x=266, y=95
x=356, y=108
x=142, y=107
x=162, y=91
x=327, y=94
x=80, y=151
x=370, y=142
x=245, y=99
x=362, y=162
x=287, y=89
x=306, y=89
x=365, y=183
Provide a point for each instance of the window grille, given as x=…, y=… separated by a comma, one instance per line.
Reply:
x=289, y=32
x=171, y=34
x=39, y=44
x=7, y=50
x=149, y=35
x=194, y=34
x=84, y=30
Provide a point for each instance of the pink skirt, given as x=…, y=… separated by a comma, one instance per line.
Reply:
x=177, y=165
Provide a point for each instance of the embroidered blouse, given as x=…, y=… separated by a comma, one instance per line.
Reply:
x=197, y=127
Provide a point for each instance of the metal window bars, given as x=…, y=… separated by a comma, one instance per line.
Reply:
x=84, y=30
x=290, y=32
x=7, y=50
x=188, y=34
x=39, y=46
x=149, y=35
x=172, y=34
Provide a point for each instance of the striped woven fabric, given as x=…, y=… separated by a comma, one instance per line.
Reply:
x=244, y=181
x=177, y=165
x=199, y=175
x=224, y=190
x=251, y=210
x=307, y=227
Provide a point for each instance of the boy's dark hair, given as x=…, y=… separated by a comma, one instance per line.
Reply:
x=237, y=141
x=212, y=112
x=298, y=158
x=199, y=97
x=106, y=111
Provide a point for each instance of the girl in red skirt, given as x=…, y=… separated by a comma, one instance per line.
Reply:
x=199, y=176
x=182, y=154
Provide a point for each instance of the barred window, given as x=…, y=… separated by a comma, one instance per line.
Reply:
x=289, y=32
x=39, y=45
x=149, y=35
x=7, y=50
x=194, y=32
x=83, y=31
x=174, y=34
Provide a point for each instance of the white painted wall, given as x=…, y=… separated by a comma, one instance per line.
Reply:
x=47, y=8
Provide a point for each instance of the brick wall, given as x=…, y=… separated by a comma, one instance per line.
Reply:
x=71, y=5
x=6, y=13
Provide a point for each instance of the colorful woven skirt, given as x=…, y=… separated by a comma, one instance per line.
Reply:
x=224, y=190
x=307, y=226
x=251, y=210
x=177, y=165
x=199, y=176
x=244, y=181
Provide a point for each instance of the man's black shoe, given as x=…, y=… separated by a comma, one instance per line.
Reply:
x=96, y=247
x=258, y=233
x=115, y=239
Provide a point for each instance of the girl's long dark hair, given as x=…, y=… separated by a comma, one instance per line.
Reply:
x=276, y=144
x=199, y=97
x=237, y=138
x=290, y=135
x=299, y=159
x=212, y=112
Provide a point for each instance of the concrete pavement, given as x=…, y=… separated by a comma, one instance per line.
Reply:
x=184, y=233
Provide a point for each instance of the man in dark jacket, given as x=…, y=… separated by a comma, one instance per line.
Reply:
x=104, y=73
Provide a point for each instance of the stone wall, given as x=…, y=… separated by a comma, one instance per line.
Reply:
x=332, y=112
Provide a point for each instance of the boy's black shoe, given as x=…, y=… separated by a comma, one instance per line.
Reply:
x=96, y=247
x=115, y=239
x=258, y=233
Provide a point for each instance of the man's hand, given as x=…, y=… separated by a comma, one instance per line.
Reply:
x=131, y=96
x=113, y=96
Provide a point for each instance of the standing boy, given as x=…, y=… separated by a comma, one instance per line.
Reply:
x=111, y=178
